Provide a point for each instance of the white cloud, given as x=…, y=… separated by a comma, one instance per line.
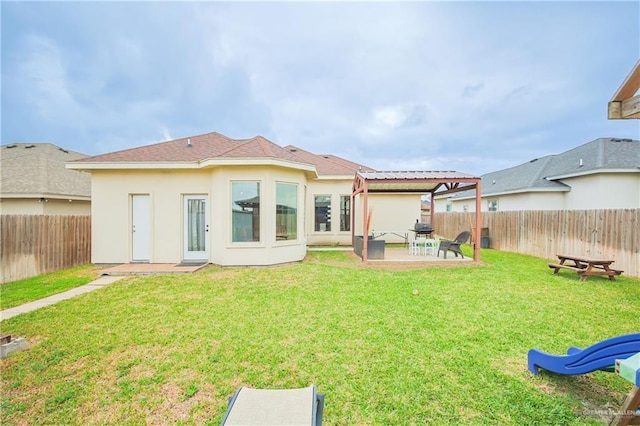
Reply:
x=44, y=81
x=417, y=83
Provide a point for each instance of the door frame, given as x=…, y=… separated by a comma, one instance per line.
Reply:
x=196, y=255
x=136, y=217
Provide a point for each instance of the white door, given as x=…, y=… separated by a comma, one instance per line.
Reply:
x=141, y=228
x=196, y=227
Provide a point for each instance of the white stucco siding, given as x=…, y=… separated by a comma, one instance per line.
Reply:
x=528, y=201
x=335, y=189
x=589, y=192
x=33, y=206
x=510, y=202
x=603, y=191
x=268, y=250
x=390, y=213
x=21, y=206
x=111, y=211
x=112, y=218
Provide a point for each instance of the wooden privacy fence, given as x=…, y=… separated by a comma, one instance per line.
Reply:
x=33, y=245
x=613, y=234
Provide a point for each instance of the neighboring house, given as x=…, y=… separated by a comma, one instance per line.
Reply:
x=210, y=198
x=601, y=174
x=35, y=181
x=425, y=211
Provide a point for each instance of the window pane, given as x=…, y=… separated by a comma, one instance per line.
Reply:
x=345, y=213
x=245, y=205
x=286, y=211
x=196, y=225
x=323, y=213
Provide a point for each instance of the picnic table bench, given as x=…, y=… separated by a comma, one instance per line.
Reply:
x=585, y=266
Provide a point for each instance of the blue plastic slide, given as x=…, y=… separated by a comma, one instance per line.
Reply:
x=600, y=356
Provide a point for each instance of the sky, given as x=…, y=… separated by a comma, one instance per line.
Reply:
x=468, y=86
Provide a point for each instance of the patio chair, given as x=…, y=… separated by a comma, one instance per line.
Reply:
x=275, y=407
x=417, y=246
x=454, y=246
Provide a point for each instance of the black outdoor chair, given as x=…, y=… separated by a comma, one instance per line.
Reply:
x=454, y=246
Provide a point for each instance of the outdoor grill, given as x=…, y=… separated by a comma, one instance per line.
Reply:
x=422, y=229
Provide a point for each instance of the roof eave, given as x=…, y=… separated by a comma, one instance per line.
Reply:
x=37, y=195
x=130, y=165
x=182, y=165
x=515, y=191
x=592, y=172
x=309, y=169
x=335, y=177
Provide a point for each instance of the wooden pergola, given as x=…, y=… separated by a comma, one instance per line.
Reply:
x=625, y=103
x=433, y=182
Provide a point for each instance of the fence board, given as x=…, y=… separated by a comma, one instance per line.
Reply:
x=544, y=233
x=31, y=245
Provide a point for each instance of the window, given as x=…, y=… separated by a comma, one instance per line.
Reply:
x=345, y=213
x=323, y=213
x=493, y=206
x=286, y=211
x=449, y=206
x=245, y=205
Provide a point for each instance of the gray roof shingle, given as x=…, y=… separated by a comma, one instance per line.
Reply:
x=39, y=169
x=541, y=174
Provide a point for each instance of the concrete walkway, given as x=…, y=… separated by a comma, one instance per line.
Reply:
x=32, y=306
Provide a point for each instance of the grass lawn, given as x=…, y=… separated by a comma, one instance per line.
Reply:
x=18, y=292
x=172, y=349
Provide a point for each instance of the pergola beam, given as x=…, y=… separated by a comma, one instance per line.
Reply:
x=411, y=182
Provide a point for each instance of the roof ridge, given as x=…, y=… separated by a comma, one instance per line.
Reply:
x=332, y=158
x=540, y=171
x=263, y=143
x=156, y=144
x=243, y=142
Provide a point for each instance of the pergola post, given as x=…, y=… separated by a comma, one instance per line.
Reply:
x=477, y=234
x=353, y=218
x=365, y=227
x=411, y=182
x=432, y=208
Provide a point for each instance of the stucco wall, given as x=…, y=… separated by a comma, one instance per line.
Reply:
x=268, y=250
x=334, y=188
x=603, y=191
x=600, y=191
x=112, y=219
x=525, y=201
x=31, y=206
x=391, y=213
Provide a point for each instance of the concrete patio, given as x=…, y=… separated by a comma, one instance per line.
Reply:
x=151, y=269
x=400, y=254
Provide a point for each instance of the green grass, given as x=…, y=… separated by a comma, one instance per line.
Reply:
x=19, y=292
x=172, y=349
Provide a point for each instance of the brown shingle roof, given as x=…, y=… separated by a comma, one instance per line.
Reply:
x=197, y=148
x=327, y=164
x=215, y=145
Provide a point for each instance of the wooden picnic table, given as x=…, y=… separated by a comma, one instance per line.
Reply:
x=585, y=266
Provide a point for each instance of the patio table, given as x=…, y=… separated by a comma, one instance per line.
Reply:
x=585, y=266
